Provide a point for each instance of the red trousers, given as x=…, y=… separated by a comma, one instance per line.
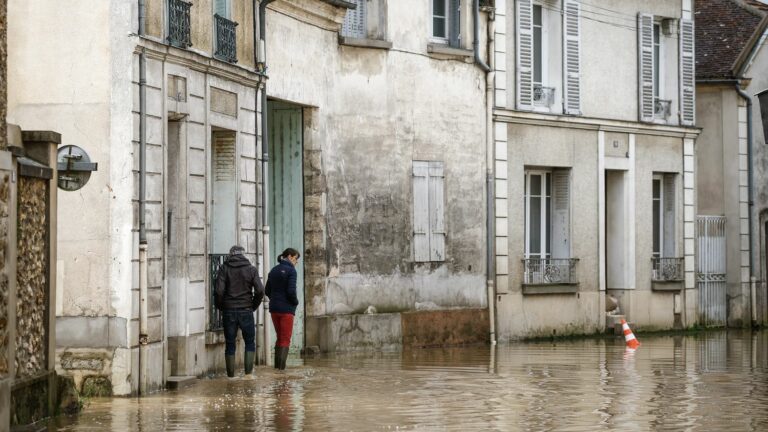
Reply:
x=283, y=323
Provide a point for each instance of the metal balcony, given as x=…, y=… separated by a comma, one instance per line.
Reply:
x=226, y=39
x=178, y=23
x=549, y=271
x=543, y=96
x=667, y=269
x=662, y=109
x=215, y=318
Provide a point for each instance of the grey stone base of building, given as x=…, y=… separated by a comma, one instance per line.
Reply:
x=187, y=355
x=33, y=399
x=395, y=331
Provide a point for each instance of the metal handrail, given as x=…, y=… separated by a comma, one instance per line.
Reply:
x=543, y=96
x=550, y=271
x=662, y=108
x=179, y=23
x=667, y=269
x=226, y=40
x=215, y=317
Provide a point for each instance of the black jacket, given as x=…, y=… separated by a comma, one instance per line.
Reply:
x=238, y=285
x=281, y=288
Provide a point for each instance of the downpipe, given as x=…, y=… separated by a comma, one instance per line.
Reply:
x=751, y=203
x=143, y=331
x=489, y=79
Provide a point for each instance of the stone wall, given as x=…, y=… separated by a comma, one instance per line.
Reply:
x=5, y=197
x=32, y=277
x=3, y=73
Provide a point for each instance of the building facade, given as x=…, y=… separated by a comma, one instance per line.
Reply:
x=732, y=66
x=594, y=166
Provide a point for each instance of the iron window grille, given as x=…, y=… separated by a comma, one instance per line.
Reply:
x=543, y=96
x=226, y=40
x=662, y=108
x=178, y=23
x=215, y=317
x=550, y=271
x=667, y=269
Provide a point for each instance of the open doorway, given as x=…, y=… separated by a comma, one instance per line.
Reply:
x=617, y=237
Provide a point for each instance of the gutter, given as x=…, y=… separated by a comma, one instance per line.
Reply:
x=751, y=200
x=143, y=275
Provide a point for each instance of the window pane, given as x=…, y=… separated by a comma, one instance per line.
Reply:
x=534, y=246
x=537, y=15
x=547, y=244
x=657, y=189
x=438, y=27
x=656, y=226
x=537, y=47
x=656, y=59
x=438, y=8
x=536, y=185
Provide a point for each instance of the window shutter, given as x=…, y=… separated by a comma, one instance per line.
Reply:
x=561, y=213
x=524, y=51
x=221, y=8
x=645, y=66
x=354, y=22
x=454, y=19
x=420, y=211
x=669, y=216
x=572, y=57
x=687, y=74
x=436, y=212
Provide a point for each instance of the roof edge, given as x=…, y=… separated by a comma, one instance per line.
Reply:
x=740, y=63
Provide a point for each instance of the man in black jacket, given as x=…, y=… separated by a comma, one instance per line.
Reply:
x=239, y=292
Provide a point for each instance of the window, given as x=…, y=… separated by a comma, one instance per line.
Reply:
x=538, y=47
x=225, y=37
x=664, y=216
x=222, y=8
x=446, y=22
x=355, y=21
x=428, y=211
x=652, y=103
x=179, y=23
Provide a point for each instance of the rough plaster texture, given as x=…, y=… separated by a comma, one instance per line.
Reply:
x=445, y=328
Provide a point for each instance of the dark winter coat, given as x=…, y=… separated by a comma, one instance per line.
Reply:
x=238, y=285
x=281, y=288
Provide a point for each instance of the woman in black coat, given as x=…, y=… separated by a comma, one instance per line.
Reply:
x=281, y=290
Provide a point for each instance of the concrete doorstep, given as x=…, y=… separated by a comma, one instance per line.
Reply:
x=180, y=382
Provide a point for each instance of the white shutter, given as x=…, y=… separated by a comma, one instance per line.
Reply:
x=436, y=212
x=687, y=74
x=668, y=211
x=572, y=57
x=420, y=211
x=354, y=22
x=221, y=8
x=561, y=213
x=645, y=66
x=524, y=52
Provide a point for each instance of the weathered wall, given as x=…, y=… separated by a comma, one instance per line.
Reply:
x=709, y=152
x=376, y=112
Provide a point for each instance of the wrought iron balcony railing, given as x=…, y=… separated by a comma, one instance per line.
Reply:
x=662, y=108
x=226, y=40
x=543, y=96
x=215, y=318
x=667, y=269
x=550, y=271
x=178, y=23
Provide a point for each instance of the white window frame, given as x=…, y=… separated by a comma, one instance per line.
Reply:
x=658, y=178
x=659, y=65
x=228, y=7
x=545, y=245
x=544, y=45
x=447, y=37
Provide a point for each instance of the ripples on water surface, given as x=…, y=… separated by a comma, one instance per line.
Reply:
x=711, y=381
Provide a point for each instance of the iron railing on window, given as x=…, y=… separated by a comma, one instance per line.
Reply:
x=667, y=269
x=662, y=108
x=226, y=40
x=178, y=23
x=215, y=319
x=550, y=271
x=543, y=96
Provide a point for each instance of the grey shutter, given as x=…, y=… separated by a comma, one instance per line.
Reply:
x=561, y=213
x=454, y=20
x=436, y=212
x=668, y=249
x=572, y=57
x=221, y=8
x=645, y=66
x=420, y=211
x=687, y=74
x=354, y=22
x=524, y=54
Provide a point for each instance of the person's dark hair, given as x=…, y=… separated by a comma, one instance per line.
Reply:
x=289, y=252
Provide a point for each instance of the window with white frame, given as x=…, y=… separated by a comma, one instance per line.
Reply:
x=664, y=216
x=222, y=8
x=428, y=211
x=446, y=22
x=547, y=213
x=355, y=21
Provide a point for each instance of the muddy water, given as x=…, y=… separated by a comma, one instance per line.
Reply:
x=711, y=381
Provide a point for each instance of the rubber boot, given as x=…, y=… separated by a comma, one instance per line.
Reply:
x=283, y=356
x=277, y=357
x=230, y=360
x=249, y=357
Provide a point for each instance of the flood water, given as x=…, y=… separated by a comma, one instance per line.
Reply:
x=714, y=381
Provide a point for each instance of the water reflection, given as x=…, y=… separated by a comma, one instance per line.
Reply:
x=707, y=381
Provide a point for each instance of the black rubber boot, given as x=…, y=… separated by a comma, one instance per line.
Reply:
x=230, y=360
x=283, y=356
x=277, y=357
x=249, y=356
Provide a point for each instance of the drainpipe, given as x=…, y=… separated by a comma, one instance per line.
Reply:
x=489, y=79
x=142, y=17
x=143, y=338
x=751, y=200
x=262, y=64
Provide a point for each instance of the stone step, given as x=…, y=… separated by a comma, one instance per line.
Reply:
x=180, y=382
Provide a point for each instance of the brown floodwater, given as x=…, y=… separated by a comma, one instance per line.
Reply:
x=714, y=381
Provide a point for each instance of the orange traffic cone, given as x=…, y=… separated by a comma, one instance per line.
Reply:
x=629, y=337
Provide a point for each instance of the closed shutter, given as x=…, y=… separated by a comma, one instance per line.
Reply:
x=561, y=213
x=645, y=66
x=687, y=74
x=221, y=8
x=524, y=51
x=420, y=211
x=572, y=57
x=669, y=216
x=436, y=212
x=454, y=19
x=354, y=22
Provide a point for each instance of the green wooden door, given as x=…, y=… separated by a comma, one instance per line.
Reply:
x=286, y=198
